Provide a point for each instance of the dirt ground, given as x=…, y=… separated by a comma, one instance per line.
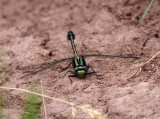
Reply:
x=34, y=31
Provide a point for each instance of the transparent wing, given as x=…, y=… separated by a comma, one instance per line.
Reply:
x=110, y=56
x=44, y=64
x=41, y=67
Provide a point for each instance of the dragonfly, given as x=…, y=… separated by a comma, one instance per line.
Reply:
x=78, y=62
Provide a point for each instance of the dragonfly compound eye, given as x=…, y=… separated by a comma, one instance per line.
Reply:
x=70, y=35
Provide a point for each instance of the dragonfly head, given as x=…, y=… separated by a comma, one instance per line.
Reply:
x=70, y=35
x=81, y=71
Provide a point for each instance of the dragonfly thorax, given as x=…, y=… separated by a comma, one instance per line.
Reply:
x=80, y=67
x=78, y=61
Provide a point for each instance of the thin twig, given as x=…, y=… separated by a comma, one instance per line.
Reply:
x=142, y=65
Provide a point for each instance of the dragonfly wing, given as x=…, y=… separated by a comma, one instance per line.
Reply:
x=36, y=66
x=110, y=56
x=43, y=67
x=44, y=64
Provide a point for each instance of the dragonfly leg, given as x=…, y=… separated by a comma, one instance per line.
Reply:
x=68, y=72
x=70, y=75
x=70, y=78
x=67, y=66
x=93, y=72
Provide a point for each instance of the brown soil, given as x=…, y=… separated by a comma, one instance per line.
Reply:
x=34, y=31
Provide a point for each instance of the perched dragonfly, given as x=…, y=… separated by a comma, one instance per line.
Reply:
x=79, y=64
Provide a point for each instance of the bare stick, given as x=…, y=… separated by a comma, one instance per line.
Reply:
x=142, y=65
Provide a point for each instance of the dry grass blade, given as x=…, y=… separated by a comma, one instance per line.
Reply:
x=158, y=69
x=142, y=65
x=85, y=108
x=93, y=113
x=74, y=111
x=44, y=104
x=42, y=95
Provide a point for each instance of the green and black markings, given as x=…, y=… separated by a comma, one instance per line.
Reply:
x=79, y=64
